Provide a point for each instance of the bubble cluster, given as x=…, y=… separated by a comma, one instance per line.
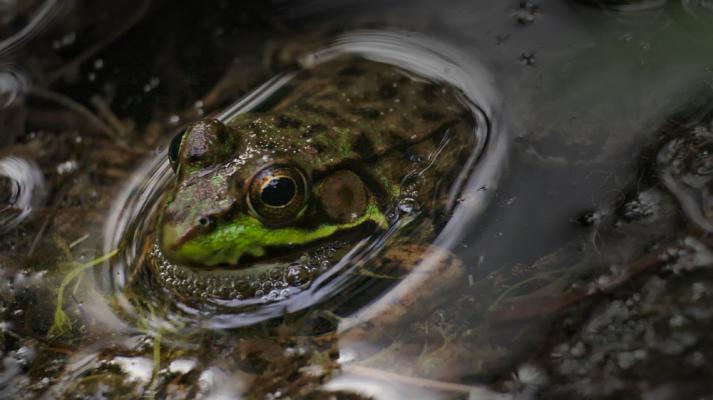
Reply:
x=269, y=284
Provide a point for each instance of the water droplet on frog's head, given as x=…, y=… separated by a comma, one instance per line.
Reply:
x=21, y=189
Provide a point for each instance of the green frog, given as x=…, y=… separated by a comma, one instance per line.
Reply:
x=267, y=201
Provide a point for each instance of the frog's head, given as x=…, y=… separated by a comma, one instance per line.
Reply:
x=238, y=194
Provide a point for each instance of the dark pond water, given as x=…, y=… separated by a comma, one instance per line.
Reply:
x=552, y=240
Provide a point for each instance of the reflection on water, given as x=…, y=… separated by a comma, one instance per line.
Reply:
x=23, y=188
x=686, y=168
x=37, y=22
x=697, y=8
x=12, y=85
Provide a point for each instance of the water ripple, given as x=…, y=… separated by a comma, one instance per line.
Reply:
x=13, y=85
x=45, y=14
x=23, y=188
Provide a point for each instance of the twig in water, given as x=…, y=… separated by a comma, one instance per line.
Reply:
x=81, y=110
x=85, y=55
x=109, y=116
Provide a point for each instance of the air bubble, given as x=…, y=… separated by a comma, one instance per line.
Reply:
x=296, y=275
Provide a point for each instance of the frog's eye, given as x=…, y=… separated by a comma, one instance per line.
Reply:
x=200, y=145
x=277, y=193
x=174, y=149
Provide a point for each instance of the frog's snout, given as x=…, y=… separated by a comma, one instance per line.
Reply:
x=172, y=236
x=194, y=212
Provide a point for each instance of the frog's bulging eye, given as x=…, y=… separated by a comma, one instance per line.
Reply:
x=174, y=149
x=278, y=193
x=202, y=144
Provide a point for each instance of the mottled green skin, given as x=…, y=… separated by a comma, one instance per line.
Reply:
x=349, y=113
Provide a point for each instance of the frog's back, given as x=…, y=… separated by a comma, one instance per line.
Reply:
x=354, y=110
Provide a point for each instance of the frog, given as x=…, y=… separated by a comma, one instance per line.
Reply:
x=266, y=201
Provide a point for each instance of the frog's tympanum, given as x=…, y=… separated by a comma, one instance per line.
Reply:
x=266, y=201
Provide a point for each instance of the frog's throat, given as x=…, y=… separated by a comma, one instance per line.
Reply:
x=248, y=236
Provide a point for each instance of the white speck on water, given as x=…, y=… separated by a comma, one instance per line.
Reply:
x=677, y=321
x=217, y=384
x=152, y=84
x=698, y=289
x=530, y=375
x=625, y=359
x=181, y=365
x=578, y=350
x=64, y=41
x=67, y=167
x=313, y=370
x=640, y=354
x=697, y=359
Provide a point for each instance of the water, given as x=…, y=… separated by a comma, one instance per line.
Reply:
x=580, y=220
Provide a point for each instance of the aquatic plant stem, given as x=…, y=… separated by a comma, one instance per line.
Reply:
x=82, y=111
x=61, y=320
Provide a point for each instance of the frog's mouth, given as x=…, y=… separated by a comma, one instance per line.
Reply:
x=281, y=268
x=245, y=241
x=286, y=254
